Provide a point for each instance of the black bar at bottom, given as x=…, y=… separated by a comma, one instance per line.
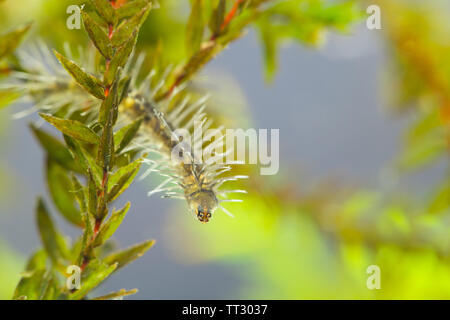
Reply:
x=230, y=309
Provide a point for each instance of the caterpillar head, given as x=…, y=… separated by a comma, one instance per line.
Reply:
x=203, y=203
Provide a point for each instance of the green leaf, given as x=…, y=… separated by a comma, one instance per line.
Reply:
x=195, y=28
x=130, y=254
x=131, y=8
x=92, y=196
x=110, y=226
x=96, y=273
x=120, y=58
x=63, y=197
x=38, y=260
x=269, y=41
x=129, y=26
x=199, y=59
x=82, y=247
x=10, y=41
x=53, y=242
x=72, y=128
x=84, y=158
x=124, y=84
x=78, y=191
x=122, y=178
x=78, y=248
x=126, y=134
x=90, y=83
x=217, y=17
x=115, y=295
x=93, y=13
x=56, y=150
x=7, y=98
x=97, y=35
x=339, y=15
x=106, y=147
x=105, y=10
x=29, y=286
x=111, y=101
x=48, y=288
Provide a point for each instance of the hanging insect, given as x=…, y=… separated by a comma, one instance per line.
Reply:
x=49, y=87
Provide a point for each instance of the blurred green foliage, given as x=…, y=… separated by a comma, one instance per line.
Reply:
x=419, y=80
x=9, y=276
x=318, y=244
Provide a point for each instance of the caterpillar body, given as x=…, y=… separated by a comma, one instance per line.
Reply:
x=50, y=88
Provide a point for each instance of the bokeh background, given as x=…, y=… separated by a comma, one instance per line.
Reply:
x=364, y=166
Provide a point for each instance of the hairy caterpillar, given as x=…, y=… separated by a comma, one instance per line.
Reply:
x=48, y=85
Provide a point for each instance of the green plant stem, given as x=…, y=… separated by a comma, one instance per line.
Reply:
x=213, y=45
x=102, y=191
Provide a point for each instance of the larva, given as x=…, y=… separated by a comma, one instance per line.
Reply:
x=196, y=183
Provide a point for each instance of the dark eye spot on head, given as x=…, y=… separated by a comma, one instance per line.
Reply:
x=203, y=216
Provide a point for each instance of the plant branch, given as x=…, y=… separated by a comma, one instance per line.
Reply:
x=231, y=14
x=209, y=49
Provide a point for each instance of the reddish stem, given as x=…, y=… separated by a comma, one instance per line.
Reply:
x=97, y=226
x=110, y=31
x=117, y=3
x=98, y=222
x=84, y=264
x=230, y=14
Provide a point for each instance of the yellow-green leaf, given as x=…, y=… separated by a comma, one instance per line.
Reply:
x=63, y=197
x=90, y=83
x=53, y=242
x=110, y=226
x=195, y=28
x=120, y=58
x=72, y=128
x=126, y=134
x=130, y=254
x=84, y=158
x=30, y=283
x=111, y=101
x=105, y=10
x=56, y=149
x=131, y=8
x=92, y=196
x=10, y=41
x=106, y=148
x=92, y=279
x=127, y=27
x=78, y=191
x=7, y=98
x=97, y=35
x=115, y=295
x=122, y=178
x=269, y=42
x=29, y=286
x=217, y=17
